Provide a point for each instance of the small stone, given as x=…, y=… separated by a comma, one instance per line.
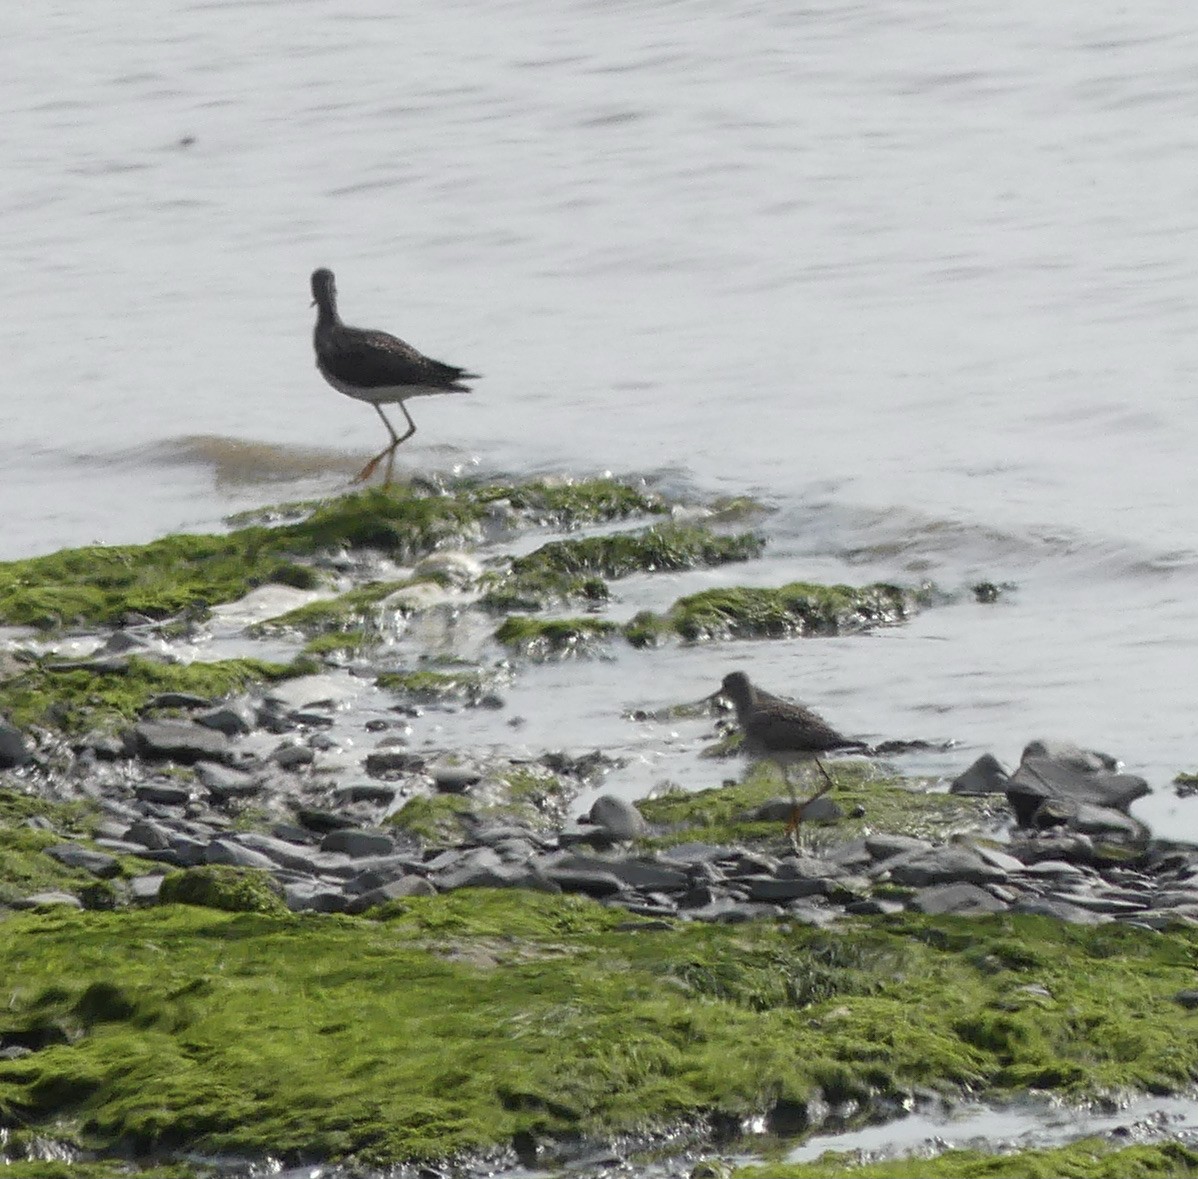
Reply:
x=617, y=816
x=234, y=720
x=292, y=757
x=14, y=749
x=382, y=761
x=163, y=793
x=454, y=779
x=50, y=897
x=356, y=843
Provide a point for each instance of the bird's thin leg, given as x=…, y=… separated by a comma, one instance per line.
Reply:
x=390, y=468
x=368, y=470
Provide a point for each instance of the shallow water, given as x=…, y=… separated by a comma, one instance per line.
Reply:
x=920, y=275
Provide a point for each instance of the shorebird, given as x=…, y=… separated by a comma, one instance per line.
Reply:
x=375, y=367
x=784, y=733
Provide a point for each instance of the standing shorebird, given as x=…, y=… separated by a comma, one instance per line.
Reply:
x=784, y=733
x=375, y=367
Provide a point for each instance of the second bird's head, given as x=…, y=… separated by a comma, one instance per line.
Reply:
x=324, y=289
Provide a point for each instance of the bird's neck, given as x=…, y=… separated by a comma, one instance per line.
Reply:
x=326, y=314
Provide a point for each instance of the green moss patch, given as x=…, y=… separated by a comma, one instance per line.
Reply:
x=25, y=868
x=566, y=569
x=224, y=886
x=79, y=699
x=545, y=637
x=467, y=1018
x=886, y=803
x=429, y=686
x=434, y=818
x=1091, y=1158
x=801, y=608
x=567, y=504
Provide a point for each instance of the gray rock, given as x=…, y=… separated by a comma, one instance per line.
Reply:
x=595, y=883
x=14, y=749
x=291, y=757
x=874, y=907
x=286, y=855
x=224, y=782
x=373, y=792
x=149, y=834
x=985, y=776
x=642, y=874
x=405, y=886
x=312, y=896
x=1051, y=772
x=143, y=890
x=180, y=741
x=163, y=793
x=188, y=850
x=454, y=779
x=617, y=817
x=1187, y=998
x=234, y=719
x=885, y=847
x=1071, y=847
x=226, y=851
x=176, y=700
x=1061, y=910
x=309, y=691
x=956, y=898
x=357, y=843
x=770, y=888
x=384, y=761
x=949, y=864
x=324, y=821
x=49, y=897
x=999, y=859
x=74, y=856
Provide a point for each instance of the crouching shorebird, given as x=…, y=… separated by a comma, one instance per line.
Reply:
x=784, y=733
x=375, y=367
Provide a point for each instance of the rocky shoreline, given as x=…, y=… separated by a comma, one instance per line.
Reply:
x=139, y=777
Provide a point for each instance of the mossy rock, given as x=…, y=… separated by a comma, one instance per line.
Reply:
x=750, y=612
x=576, y=569
x=224, y=886
x=77, y=699
x=431, y=686
x=549, y=637
x=871, y=800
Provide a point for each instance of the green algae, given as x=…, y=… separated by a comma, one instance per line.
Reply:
x=545, y=637
x=1089, y=1158
x=223, y=886
x=568, y=504
x=871, y=799
x=434, y=818
x=567, y=569
x=76, y=698
x=428, y=686
x=464, y=1019
x=104, y=584
x=25, y=868
x=800, y=608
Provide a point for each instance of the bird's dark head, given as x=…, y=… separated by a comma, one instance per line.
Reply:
x=324, y=289
x=737, y=688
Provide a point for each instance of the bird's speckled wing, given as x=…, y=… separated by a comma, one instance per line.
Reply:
x=372, y=360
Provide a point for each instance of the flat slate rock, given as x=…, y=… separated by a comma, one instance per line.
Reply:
x=180, y=741
x=948, y=864
x=14, y=749
x=956, y=898
x=357, y=843
x=224, y=782
x=74, y=856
